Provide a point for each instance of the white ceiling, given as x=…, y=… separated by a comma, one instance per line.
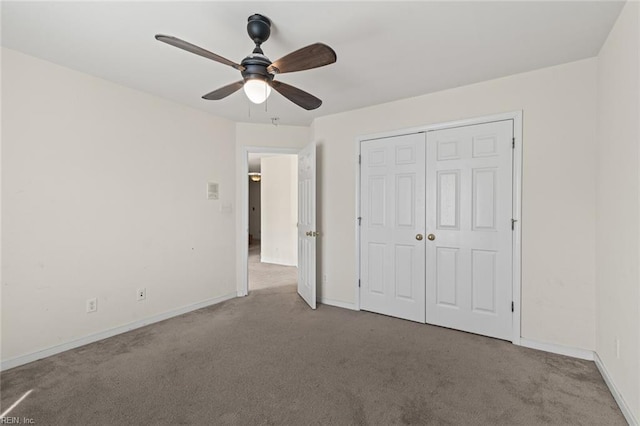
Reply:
x=386, y=50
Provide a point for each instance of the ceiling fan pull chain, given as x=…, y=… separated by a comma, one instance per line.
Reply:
x=266, y=100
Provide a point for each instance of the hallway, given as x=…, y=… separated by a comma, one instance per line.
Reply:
x=267, y=275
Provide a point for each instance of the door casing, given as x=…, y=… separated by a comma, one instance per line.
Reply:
x=516, y=116
x=243, y=281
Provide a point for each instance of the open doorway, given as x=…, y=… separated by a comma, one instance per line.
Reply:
x=272, y=201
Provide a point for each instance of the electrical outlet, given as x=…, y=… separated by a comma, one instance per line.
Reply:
x=92, y=305
x=141, y=294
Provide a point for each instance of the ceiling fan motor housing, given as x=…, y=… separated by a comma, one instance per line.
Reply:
x=255, y=66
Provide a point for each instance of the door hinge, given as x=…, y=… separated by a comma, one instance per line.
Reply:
x=513, y=224
x=513, y=143
x=358, y=282
x=359, y=159
x=512, y=307
x=359, y=221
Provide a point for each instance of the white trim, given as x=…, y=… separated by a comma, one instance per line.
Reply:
x=516, y=116
x=275, y=261
x=513, y=115
x=516, y=258
x=34, y=356
x=624, y=407
x=337, y=303
x=357, y=280
x=242, y=255
x=558, y=349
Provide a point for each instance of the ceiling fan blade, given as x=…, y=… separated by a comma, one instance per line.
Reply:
x=223, y=92
x=297, y=96
x=173, y=41
x=313, y=56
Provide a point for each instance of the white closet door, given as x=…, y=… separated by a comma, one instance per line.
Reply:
x=469, y=211
x=392, y=209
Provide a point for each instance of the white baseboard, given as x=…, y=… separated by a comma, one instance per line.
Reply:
x=275, y=261
x=622, y=403
x=590, y=356
x=558, y=349
x=34, y=356
x=337, y=303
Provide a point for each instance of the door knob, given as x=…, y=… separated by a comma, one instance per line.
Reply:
x=431, y=237
x=419, y=237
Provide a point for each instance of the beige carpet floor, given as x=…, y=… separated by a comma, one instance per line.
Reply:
x=269, y=359
x=266, y=275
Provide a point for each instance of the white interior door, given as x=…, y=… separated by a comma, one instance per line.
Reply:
x=392, y=206
x=469, y=212
x=307, y=224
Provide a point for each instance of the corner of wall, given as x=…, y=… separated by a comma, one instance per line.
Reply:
x=618, y=212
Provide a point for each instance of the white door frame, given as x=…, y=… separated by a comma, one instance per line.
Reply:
x=516, y=116
x=243, y=236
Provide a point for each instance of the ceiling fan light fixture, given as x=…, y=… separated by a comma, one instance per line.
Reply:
x=258, y=71
x=257, y=90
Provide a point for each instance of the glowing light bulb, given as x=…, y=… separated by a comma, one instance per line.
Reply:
x=257, y=90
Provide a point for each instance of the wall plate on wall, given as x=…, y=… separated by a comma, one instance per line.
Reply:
x=212, y=191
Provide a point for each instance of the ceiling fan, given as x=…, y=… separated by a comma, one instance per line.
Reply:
x=258, y=71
